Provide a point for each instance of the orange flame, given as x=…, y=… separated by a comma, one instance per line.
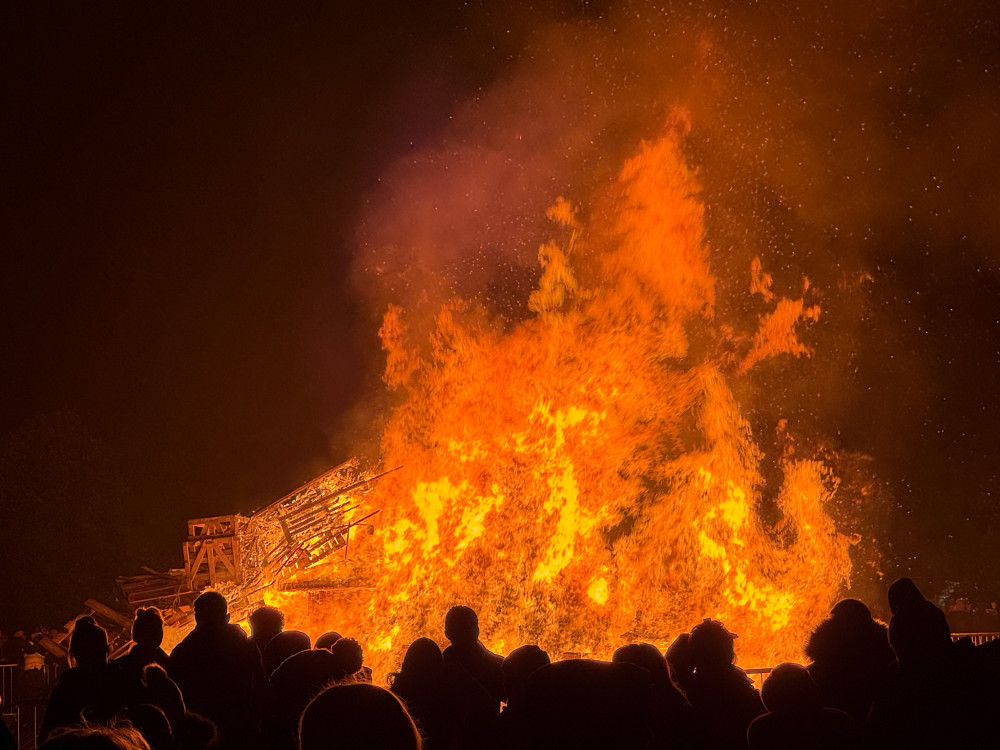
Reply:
x=586, y=478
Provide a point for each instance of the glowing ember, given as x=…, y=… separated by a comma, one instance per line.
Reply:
x=586, y=478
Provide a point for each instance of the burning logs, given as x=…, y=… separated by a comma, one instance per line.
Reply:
x=245, y=556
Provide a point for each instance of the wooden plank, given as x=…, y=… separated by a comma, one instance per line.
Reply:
x=56, y=649
x=213, y=535
x=351, y=463
x=160, y=592
x=353, y=486
x=156, y=573
x=284, y=530
x=112, y=614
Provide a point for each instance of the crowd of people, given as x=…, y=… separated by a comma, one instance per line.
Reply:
x=905, y=685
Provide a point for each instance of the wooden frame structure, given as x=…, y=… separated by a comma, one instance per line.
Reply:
x=212, y=552
x=242, y=556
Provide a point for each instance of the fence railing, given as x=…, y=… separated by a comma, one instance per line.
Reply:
x=977, y=639
x=7, y=673
x=759, y=674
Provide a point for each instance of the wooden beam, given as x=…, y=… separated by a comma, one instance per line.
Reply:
x=112, y=614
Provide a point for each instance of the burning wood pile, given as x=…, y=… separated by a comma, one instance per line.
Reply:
x=584, y=476
x=244, y=556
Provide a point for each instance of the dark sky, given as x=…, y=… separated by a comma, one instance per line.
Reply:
x=195, y=197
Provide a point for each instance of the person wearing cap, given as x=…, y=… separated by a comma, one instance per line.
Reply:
x=722, y=697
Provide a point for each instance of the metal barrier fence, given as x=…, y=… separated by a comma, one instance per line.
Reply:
x=758, y=675
x=7, y=672
x=23, y=717
x=8, y=709
x=978, y=639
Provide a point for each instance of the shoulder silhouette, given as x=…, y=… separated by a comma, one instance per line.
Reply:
x=357, y=714
x=461, y=628
x=851, y=658
x=219, y=673
x=93, y=690
x=796, y=717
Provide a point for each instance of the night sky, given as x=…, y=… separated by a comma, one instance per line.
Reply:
x=206, y=207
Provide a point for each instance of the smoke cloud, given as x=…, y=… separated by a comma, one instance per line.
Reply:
x=850, y=143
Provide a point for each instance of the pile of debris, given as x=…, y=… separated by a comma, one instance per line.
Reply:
x=243, y=556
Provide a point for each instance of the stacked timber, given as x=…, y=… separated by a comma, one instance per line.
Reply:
x=155, y=589
x=244, y=556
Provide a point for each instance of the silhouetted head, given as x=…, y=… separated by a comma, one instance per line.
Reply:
x=348, y=655
x=89, y=643
x=461, y=625
x=357, y=715
x=152, y=722
x=711, y=645
x=422, y=657
x=96, y=738
x=283, y=645
x=518, y=667
x=904, y=594
x=147, y=627
x=644, y=655
x=583, y=703
x=851, y=611
x=327, y=639
x=302, y=676
x=195, y=732
x=163, y=692
x=265, y=623
x=790, y=688
x=678, y=658
x=212, y=609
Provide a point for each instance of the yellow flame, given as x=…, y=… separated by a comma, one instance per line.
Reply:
x=588, y=473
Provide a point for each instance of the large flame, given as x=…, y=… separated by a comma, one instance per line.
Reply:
x=586, y=478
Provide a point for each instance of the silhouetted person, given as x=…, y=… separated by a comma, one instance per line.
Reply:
x=939, y=696
x=851, y=658
x=357, y=715
x=680, y=667
x=583, y=703
x=190, y=731
x=265, y=623
x=14, y=648
x=93, y=690
x=450, y=707
x=461, y=627
x=152, y=724
x=511, y=728
x=668, y=709
x=159, y=690
x=33, y=681
x=219, y=673
x=796, y=717
x=147, y=633
x=419, y=684
x=327, y=639
x=350, y=661
x=918, y=630
x=97, y=738
x=299, y=679
x=722, y=697
x=283, y=645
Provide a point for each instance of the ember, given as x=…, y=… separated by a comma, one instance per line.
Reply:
x=586, y=477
